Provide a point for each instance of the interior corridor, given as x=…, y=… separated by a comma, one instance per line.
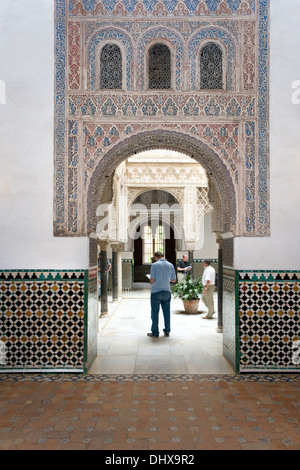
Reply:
x=193, y=347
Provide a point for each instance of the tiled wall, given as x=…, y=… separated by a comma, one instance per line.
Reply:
x=91, y=324
x=140, y=272
x=230, y=318
x=269, y=323
x=198, y=267
x=127, y=274
x=42, y=320
x=48, y=319
x=261, y=320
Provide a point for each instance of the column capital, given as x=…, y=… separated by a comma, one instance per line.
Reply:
x=114, y=246
x=117, y=246
x=103, y=244
x=219, y=240
x=189, y=246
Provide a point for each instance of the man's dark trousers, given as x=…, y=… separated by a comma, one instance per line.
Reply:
x=163, y=299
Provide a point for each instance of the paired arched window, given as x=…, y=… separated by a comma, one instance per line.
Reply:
x=211, y=67
x=159, y=75
x=159, y=67
x=110, y=67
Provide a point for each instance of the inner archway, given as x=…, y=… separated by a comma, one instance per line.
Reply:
x=219, y=183
x=153, y=232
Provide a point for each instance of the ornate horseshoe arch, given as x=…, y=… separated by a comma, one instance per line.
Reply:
x=218, y=173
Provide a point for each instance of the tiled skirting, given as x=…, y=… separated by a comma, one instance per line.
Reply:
x=120, y=378
x=198, y=267
x=261, y=320
x=43, y=315
x=48, y=320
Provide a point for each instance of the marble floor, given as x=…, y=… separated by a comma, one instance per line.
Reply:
x=193, y=347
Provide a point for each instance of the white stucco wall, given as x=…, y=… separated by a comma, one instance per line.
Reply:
x=282, y=249
x=26, y=136
x=208, y=246
x=26, y=151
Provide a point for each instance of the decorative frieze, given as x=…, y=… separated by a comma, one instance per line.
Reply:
x=156, y=8
x=121, y=106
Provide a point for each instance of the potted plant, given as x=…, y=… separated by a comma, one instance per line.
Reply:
x=190, y=292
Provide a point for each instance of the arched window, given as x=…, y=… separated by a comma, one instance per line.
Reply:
x=159, y=67
x=151, y=243
x=110, y=67
x=211, y=67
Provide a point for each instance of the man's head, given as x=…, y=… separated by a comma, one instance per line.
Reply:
x=185, y=257
x=158, y=255
x=206, y=262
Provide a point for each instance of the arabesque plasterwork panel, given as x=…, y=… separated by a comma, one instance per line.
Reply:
x=232, y=123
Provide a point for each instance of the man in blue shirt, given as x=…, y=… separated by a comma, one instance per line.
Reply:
x=161, y=274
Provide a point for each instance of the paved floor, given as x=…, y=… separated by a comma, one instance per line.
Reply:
x=193, y=347
x=169, y=413
x=172, y=394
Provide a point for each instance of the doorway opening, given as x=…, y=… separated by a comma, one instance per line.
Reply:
x=154, y=233
x=139, y=194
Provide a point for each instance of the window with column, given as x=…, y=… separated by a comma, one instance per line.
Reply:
x=152, y=243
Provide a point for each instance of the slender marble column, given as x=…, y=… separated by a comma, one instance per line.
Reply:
x=119, y=261
x=220, y=287
x=104, y=280
x=114, y=272
x=191, y=260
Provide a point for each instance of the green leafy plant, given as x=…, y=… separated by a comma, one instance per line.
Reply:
x=189, y=289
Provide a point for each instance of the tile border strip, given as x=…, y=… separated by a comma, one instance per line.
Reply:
x=149, y=378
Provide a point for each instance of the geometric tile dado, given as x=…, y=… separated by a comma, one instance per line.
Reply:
x=42, y=320
x=269, y=320
x=90, y=122
x=261, y=320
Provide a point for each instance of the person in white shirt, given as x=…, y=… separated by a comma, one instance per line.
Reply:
x=208, y=281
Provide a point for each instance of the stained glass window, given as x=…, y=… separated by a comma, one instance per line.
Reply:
x=159, y=67
x=211, y=67
x=110, y=67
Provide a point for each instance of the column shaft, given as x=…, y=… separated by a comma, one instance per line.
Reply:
x=114, y=274
x=104, y=280
x=220, y=289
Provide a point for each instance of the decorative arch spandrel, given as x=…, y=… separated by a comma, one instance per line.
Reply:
x=170, y=140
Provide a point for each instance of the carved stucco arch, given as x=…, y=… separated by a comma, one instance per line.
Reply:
x=219, y=176
x=177, y=193
x=178, y=196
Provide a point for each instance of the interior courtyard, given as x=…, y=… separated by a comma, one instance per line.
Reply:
x=131, y=127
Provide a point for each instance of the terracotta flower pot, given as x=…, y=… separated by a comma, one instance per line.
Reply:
x=191, y=306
